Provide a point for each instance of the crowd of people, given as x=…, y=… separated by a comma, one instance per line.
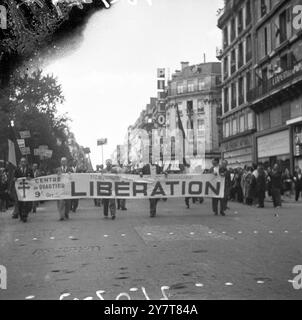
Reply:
x=251, y=185
x=248, y=185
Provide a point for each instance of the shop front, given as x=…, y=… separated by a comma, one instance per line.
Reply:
x=274, y=148
x=296, y=130
x=238, y=151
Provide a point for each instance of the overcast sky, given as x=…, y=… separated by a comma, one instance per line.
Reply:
x=110, y=77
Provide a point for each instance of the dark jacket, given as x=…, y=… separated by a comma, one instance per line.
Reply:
x=67, y=170
x=261, y=185
x=146, y=170
x=26, y=173
x=3, y=184
x=276, y=178
x=224, y=172
x=297, y=180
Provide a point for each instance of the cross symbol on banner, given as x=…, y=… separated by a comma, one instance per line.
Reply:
x=23, y=185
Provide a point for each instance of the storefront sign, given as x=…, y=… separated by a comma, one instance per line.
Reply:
x=275, y=144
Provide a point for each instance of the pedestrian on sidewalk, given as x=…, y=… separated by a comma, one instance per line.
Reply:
x=298, y=182
x=261, y=186
x=64, y=205
x=24, y=172
x=276, y=178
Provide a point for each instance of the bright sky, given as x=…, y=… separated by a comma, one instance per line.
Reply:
x=110, y=77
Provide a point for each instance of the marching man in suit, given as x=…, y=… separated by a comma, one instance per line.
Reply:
x=222, y=170
x=109, y=203
x=24, y=172
x=64, y=205
x=36, y=173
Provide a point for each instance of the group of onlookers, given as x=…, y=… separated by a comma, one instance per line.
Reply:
x=251, y=185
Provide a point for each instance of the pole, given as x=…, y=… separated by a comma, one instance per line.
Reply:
x=102, y=156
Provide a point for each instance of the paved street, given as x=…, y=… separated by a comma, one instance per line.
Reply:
x=182, y=254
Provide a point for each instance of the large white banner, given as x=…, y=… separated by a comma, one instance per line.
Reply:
x=121, y=186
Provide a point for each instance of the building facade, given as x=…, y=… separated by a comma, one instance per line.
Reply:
x=262, y=72
x=193, y=97
x=237, y=21
x=276, y=96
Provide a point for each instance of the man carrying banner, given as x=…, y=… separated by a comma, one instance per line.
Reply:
x=37, y=174
x=75, y=202
x=217, y=170
x=152, y=170
x=24, y=172
x=109, y=203
x=64, y=205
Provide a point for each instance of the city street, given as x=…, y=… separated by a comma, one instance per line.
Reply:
x=181, y=254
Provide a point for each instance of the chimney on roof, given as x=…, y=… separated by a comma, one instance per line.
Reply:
x=184, y=65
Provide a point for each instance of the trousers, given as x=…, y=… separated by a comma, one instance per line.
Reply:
x=64, y=208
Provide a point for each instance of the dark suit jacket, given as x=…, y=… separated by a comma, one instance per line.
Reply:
x=298, y=182
x=68, y=170
x=224, y=173
x=147, y=169
x=28, y=173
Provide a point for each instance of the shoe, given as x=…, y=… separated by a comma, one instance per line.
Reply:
x=24, y=219
x=14, y=216
x=61, y=219
x=113, y=217
x=215, y=213
x=222, y=214
x=124, y=209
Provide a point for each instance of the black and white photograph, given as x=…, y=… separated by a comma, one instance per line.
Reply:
x=151, y=150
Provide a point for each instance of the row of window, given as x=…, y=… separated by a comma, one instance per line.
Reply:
x=205, y=83
x=278, y=116
x=189, y=124
x=238, y=124
x=237, y=24
x=263, y=7
x=236, y=94
x=274, y=33
x=238, y=57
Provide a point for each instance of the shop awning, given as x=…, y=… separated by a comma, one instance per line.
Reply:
x=294, y=121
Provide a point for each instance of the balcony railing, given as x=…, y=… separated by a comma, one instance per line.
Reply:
x=293, y=71
x=219, y=52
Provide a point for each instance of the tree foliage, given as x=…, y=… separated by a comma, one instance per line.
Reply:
x=33, y=101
